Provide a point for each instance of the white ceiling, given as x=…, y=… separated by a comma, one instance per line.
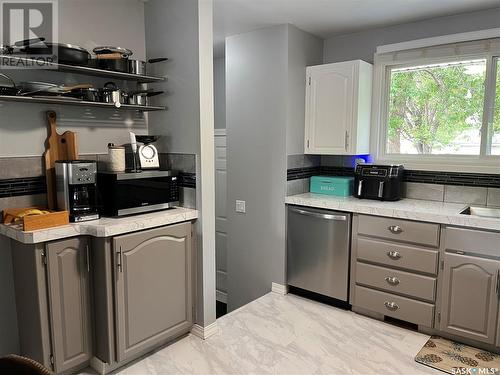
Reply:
x=325, y=18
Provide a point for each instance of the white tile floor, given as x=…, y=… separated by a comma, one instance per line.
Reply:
x=290, y=335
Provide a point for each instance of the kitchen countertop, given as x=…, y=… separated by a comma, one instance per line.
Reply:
x=411, y=209
x=105, y=227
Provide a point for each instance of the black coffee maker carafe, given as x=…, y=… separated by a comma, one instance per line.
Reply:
x=76, y=189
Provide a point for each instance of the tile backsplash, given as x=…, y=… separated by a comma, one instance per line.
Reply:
x=471, y=188
x=22, y=180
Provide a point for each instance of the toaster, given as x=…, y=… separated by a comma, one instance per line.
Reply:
x=380, y=182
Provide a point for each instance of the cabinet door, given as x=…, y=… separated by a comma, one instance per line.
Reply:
x=469, y=299
x=329, y=108
x=69, y=301
x=153, y=288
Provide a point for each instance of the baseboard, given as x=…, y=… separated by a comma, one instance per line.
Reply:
x=205, y=332
x=98, y=365
x=221, y=296
x=279, y=289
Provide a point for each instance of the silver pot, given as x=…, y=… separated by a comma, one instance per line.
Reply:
x=140, y=67
x=112, y=94
x=142, y=97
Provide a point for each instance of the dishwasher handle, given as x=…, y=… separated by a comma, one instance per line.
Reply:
x=319, y=215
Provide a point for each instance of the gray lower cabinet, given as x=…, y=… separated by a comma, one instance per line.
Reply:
x=52, y=284
x=470, y=300
x=69, y=302
x=470, y=284
x=153, y=288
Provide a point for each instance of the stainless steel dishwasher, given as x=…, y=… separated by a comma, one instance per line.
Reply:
x=318, y=251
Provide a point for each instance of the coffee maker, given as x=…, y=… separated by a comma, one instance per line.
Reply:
x=76, y=189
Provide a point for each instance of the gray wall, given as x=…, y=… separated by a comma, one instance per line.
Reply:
x=172, y=31
x=98, y=22
x=220, y=92
x=362, y=45
x=303, y=50
x=264, y=99
x=256, y=112
x=176, y=29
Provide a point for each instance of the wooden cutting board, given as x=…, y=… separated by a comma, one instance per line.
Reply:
x=57, y=147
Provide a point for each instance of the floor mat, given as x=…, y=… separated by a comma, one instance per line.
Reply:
x=456, y=358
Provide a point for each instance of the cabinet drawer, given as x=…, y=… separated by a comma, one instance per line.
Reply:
x=422, y=287
x=398, y=255
x=399, y=230
x=395, y=306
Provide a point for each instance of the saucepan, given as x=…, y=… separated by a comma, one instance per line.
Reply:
x=142, y=97
x=141, y=67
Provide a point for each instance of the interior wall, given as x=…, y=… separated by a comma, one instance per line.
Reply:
x=220, y=92
x=98, y=22
x=182, y=31
x=265, y=91
x=172, y=31
x=362, y=45
x=304, y=50
x=256, y=113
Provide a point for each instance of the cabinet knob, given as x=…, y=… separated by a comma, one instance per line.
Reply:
x=394, y=255
x=393, y=306
x=392, y=280
x=396, y=229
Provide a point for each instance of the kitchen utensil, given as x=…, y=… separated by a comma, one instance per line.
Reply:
x=89, y=94
x=66, y=53
x=9, y=86
x=113, y=58
x=116, y=158
x=141, y=66
x=141, y=97
x=125, y=52
x=110, y=93
x=57, y=147
x=30, y=88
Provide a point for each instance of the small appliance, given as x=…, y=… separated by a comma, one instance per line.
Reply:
x=148, y=154
x=338, y=186
x=380, y=182
x=76, y=189
x=132, y=193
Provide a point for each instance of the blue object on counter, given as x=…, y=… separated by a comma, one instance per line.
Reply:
x=339, y=186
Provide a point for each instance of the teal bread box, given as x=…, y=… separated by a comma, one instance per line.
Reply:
x=339, y=186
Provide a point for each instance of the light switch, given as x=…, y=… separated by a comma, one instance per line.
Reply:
x=240, y=206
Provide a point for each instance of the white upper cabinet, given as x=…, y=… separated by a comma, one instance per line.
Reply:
x=338, y=108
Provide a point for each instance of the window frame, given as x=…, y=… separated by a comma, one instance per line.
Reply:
x=482, y=163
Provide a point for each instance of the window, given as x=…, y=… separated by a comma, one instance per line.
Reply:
x=436, y=109
x=439, y=106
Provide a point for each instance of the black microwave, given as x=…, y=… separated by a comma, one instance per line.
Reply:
x=131, y=193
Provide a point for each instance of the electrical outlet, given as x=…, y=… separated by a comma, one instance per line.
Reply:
x=240, y=206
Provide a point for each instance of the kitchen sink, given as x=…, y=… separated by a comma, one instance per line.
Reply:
x=482, y=211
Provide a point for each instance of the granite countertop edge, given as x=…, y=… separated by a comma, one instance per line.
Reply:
x=409, y=209
x=104, y=227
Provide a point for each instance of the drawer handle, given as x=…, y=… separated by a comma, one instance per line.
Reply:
x=393, y=306
x=392, y=280
x=394, y=255
x=396, y=229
